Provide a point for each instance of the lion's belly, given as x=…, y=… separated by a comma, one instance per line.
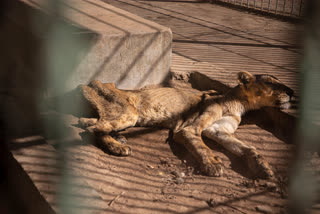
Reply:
x=165, y=106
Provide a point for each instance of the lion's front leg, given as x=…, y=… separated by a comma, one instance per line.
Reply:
x=257, y=165
x=190, y=137
x=210, y=164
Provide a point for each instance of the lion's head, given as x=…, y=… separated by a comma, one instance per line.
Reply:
x=264, y=90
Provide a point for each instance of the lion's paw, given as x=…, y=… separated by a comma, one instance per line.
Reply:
x=110, y=145
x=119, y=150
x=257, y=164
x=124, y=151
x=118, y=137
x=212, y=166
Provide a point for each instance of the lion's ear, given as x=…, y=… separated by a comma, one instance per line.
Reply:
x=245, y=78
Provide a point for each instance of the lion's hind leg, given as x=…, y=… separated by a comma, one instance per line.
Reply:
x=118, y=137
x=110, y=145
x=112, y=106
x=87, y=122
x=114, y=113
x=210, y=164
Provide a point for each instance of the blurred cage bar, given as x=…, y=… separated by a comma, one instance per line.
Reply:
x=289, y=8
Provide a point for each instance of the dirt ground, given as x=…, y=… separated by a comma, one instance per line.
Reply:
x=162, y=178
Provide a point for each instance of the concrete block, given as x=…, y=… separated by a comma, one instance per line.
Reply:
x=125, y=49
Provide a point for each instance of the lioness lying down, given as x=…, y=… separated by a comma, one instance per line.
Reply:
x=189, y=115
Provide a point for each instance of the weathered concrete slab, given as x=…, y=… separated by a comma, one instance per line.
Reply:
x=124, y=48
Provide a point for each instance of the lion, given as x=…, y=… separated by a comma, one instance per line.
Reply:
x=189, y=115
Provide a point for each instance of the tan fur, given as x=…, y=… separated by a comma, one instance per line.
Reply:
x=189, y=114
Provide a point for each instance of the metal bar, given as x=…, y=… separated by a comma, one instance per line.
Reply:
x=247, y=3
x=300, y=8
x=241, y=2
x=269, y=5
x=276, y=6
x=292, y=7
x=284, y=6
x=254, y=3
x=261, y=4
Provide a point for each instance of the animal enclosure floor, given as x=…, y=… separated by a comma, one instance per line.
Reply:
x=161, y=177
